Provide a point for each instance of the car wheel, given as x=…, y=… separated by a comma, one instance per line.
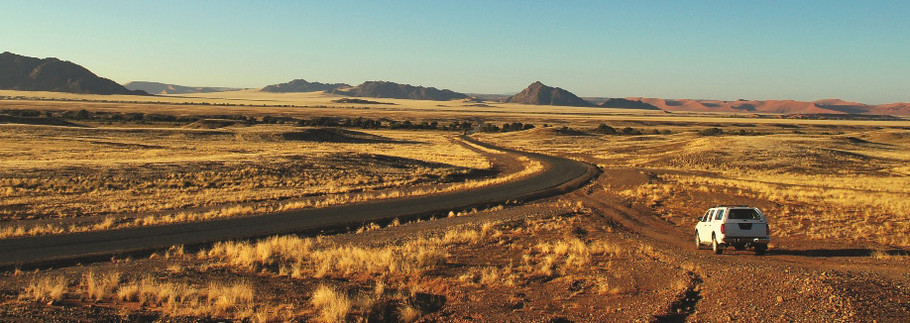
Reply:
x=718, y=249
x=760, y=249
x=698, y=245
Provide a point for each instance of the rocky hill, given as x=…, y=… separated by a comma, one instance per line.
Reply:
x=301, y=85
x=19, y=72
x=627, y=104
x=539, y=94
x=164, y=88
x=385, y=89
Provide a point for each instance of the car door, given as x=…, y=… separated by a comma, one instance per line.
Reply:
x=704, y=226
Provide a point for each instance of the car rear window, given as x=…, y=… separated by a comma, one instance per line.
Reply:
x=744, y=214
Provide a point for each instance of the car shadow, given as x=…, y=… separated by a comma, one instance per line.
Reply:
x=856, y=252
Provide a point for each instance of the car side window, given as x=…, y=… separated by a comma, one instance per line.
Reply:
x=705, y=217
x=720, y=215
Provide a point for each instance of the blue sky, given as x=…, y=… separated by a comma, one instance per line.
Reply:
x=805, y=50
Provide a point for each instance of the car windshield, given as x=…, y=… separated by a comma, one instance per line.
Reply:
x=744, y=214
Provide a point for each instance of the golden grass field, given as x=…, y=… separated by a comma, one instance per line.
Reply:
x=834, y=186
x=66, y=172
x=852, y=185
x=826, y=178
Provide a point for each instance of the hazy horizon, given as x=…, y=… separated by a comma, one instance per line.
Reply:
x=849, y=50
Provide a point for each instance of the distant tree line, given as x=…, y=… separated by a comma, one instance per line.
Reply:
x=102, y=116
x=33, y=98
x=506, y=127
x=604, y=129
x=629, y=131
x=715, y=131
x=358, y=122
x=367, y=123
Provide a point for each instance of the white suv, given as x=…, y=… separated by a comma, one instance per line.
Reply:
x=737, y=226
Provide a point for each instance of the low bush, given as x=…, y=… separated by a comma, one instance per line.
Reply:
x=604, y=130
x=711, y=132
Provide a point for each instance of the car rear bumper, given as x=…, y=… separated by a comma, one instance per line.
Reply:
x=752, y=240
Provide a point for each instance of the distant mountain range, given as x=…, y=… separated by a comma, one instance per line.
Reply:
x=385, y=89
x=539, y=94
x=370, y=89
x=19, y=72
x=301, y=85
x=164, y=88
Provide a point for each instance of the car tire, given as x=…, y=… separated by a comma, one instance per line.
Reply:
x=760, y=249
x=698, y=245
x=716, y=247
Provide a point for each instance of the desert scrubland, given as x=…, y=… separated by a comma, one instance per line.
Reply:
x=149, y=174
x=618, y=249
x=849, y=184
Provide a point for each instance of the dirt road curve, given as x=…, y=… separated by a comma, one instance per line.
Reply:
x=798, y=280
x=560, y=175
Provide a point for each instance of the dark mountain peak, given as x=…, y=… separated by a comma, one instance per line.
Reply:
x=386, y=89
x=19, y=72
x=301, y=85
x=627, y=104
x=540, y=94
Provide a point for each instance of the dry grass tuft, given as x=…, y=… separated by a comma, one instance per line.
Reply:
x=218, y=300
x=296, y=257
x=299, y=257
x=566, y=254
x=408, y=313
x=886, y=255
x=490, y=276
x=881, y=255
x=225, y=298
x=333, y=305
x=100, y=286
x=604, y=287
x=267, y=252
x=369, y=227
x=45, y=288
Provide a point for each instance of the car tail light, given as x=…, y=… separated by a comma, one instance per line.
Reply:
x=722, y=226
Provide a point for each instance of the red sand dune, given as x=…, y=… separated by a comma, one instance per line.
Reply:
x=829, y=106
x=894, y=109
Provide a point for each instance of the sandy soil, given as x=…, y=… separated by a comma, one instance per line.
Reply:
x=658, y=276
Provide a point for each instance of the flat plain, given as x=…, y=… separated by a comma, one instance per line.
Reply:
x=618, y=249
